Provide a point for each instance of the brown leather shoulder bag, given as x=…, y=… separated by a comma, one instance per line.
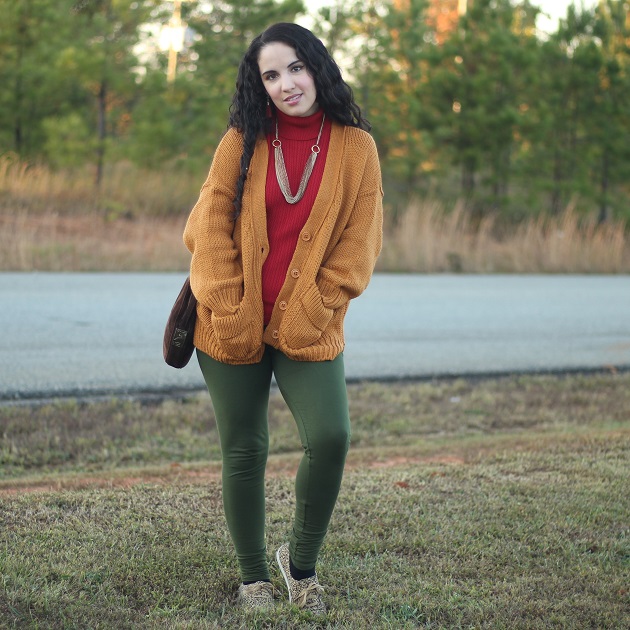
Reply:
x=180, y=328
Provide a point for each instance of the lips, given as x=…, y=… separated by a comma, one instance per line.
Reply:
x=294, y=98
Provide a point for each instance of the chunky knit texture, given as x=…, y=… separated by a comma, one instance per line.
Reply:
x=285, y=221
x=332, y=262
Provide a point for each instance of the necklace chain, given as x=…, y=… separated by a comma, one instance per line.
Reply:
x=281, y=169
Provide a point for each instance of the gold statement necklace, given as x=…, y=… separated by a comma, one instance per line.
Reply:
x=281, y=169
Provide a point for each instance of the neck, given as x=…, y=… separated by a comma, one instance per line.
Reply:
x=299, y=127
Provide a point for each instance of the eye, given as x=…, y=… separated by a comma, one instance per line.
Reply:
x=270, y=76
x=297, y=68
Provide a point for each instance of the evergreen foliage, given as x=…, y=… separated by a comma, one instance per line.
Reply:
x=489, y=111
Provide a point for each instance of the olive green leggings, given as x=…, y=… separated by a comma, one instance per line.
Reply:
x=316, y=395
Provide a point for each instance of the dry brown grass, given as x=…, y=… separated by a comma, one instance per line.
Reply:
x=429, y=239
x=51, y=242
x=35, y=188
x=53, y=221
x=56, y=221
x=126, y=191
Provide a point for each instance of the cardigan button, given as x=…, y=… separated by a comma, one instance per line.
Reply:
x=275, y=334
x=283, y=305
x=295, y=273
x=306, y=236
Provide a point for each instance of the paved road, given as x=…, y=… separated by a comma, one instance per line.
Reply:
x=80, y=334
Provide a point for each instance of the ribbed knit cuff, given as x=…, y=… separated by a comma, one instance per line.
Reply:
x=226, y=301
x=332, y=296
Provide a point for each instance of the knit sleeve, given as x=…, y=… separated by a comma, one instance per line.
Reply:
x=346, y=272
x=216, y=277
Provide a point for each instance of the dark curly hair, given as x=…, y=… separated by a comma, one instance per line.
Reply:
x=248, y=111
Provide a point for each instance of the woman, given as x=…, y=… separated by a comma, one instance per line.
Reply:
x=285, y=233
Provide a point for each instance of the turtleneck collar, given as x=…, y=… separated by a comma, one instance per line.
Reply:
x=299, y=127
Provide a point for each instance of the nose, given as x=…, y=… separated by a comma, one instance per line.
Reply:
x=287, y=82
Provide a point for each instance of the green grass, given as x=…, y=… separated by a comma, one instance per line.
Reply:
x=466, y=504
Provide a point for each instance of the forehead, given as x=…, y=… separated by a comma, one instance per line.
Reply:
x=276, y=56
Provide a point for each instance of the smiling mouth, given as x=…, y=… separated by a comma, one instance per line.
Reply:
x=292, y=98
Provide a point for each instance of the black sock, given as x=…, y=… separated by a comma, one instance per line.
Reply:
x=300, y=574
x=254, y=582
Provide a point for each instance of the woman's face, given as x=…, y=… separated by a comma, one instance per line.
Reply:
x=287, y=81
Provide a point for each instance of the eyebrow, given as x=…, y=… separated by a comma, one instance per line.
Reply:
x=264, y=72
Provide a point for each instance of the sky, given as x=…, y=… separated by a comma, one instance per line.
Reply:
x=555, y=9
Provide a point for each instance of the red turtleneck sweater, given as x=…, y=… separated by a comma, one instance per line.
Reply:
x=284, y=220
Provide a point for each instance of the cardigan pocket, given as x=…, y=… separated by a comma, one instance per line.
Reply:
x=309, y=320
x=233, y=333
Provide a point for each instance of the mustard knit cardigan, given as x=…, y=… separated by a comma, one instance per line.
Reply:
x=332, y=263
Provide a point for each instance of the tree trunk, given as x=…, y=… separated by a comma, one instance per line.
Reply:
x=468, y=178
x=556, y=191
x=18, y=137
x=102, y=132
x=501, y=176
x=605, y=182
x=17, y=121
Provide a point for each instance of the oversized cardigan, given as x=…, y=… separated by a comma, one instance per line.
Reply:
x=332, y=263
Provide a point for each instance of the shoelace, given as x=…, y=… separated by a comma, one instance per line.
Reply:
x=310, y=590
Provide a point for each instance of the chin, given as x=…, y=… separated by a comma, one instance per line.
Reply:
x=300, y=110
x=294, y=112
